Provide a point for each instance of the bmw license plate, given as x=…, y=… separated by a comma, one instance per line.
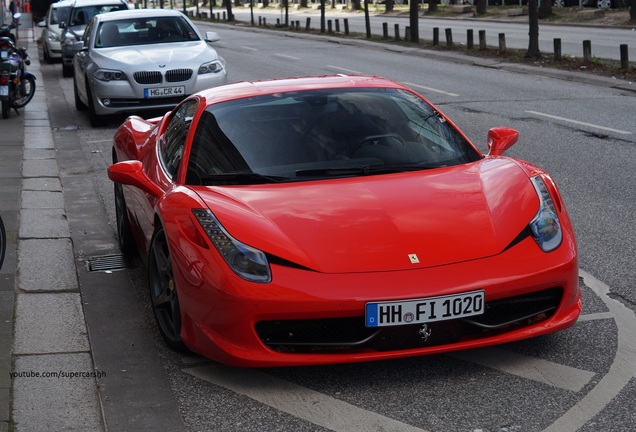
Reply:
x=4, y=90
x=425, y=310
x=160, y=92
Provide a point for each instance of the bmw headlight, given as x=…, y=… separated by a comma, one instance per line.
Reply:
x=211, y=67
x=109, y=75
x=545, y=227
x=249, y=263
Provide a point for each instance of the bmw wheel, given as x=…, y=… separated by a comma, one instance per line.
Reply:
x=163, y=291
x=79, y=105
x=96, y=119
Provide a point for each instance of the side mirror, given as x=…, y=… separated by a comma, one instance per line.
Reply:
x=132, y=173
x=62, y=25
x=78, y=46
x=42, y=23
x=501, y=139
x=212, y=36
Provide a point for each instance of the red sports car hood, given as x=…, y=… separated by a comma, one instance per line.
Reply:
x=383, y=222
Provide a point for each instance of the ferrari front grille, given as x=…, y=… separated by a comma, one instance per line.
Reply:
x=178, y=75
x=350, y=335
x=148, y=77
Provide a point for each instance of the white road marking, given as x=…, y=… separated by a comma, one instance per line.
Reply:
x=596, y=316
x=544, y=371
x=343, y=69
x=592, y=125
x=315, y=407
x=431, y=89
x=620, y=373
x=249, y=48
x=287, y=56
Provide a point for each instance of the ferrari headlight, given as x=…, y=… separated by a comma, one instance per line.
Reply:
x=545, y=227
x=211, y=67
x=109, y=75
x=249, y=263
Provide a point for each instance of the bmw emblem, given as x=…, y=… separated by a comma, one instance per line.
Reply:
x=162, y=65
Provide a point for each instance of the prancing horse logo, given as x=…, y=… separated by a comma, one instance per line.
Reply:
x=424, y=332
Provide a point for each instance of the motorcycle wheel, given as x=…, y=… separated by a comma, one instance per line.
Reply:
x=26, y=92
x=6, y=109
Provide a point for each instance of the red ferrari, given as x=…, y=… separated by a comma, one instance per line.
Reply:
x=338, y=219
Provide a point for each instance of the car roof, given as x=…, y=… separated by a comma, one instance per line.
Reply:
x=138, y=13
x=246, y=89
x=80, y=3
x=63, y=3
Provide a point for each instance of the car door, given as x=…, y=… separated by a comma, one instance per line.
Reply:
x=81, y=61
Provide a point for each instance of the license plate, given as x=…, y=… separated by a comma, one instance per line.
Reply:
x=4, y=54
x=424, y=310
x=4, y=90
x=164, y=92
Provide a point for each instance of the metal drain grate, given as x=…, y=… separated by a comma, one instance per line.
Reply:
x=106, y=263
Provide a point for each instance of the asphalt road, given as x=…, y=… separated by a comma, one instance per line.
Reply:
x=580, y=379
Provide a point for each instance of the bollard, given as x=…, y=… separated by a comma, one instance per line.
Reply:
x=482, y=39
x=223, y=16
x=260, y=21
x=264, y=22
x=435, y=36
x=407, y=34
x=329, y=27
x=346, y=26
x=557, y=50
x=469, y=39
x=337, y=25
x=385, y=31
x=624, y=57
x=397, y=32
x=277, y=22
x=308, y=24
x=502, y=43
x=449, y=37
x=587, y=51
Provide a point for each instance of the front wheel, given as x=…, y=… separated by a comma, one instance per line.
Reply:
x=6, y=109
x=26, y=92
x=163, y=291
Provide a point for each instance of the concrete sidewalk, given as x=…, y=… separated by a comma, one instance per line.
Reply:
x=47, y=377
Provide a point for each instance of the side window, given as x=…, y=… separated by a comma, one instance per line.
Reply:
x=173, y=140
x=86, y=37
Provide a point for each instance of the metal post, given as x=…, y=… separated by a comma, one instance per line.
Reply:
x=469, y=39
x=482, y=40
x=557, y=50
x=435, y=36
x=397, y=32
x=449, y=37
x=624, y=57
x=502, y=43
x=587, y=51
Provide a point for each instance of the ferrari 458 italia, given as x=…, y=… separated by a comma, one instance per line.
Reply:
x=337, y=219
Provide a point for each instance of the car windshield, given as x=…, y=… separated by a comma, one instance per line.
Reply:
x=59, y=14
x=308, y=135
x=81, y=16
x=143, y=31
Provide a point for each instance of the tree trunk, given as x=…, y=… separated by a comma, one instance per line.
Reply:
x=414, y=20
x=432, y=5
x=355, y=5
x=481, y=6
x=632, y=12
x=545, y=9
x=228, y=8
x=533, y=19
x=367, y=21
x=322, y=16
x=303, y=4
x=388, y=6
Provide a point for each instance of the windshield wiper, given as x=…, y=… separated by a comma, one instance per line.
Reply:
x=241, y=178
x=361, y=170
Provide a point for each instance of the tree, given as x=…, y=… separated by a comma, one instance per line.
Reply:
x=414, y=20
x=632, y=12
x=432, y=5
x=322, y=16
x=533, y=20
x=545, y=9
x=388, y=5
x=228, y=8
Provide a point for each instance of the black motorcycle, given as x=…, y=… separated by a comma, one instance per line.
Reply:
x=17, y=86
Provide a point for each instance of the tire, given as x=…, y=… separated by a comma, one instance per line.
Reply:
x=6, y=109
x=67, y=71
x=125, y=237
x=79, y=105
x=27, y=92
x=603, y=4
x=163, y=291
x=96, y=119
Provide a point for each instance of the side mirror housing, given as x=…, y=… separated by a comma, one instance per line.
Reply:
x=211, y=36
x=501, y=139
x=132, y=173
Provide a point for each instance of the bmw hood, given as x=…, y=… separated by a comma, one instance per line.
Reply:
x=141, y=57
x=384, y=222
